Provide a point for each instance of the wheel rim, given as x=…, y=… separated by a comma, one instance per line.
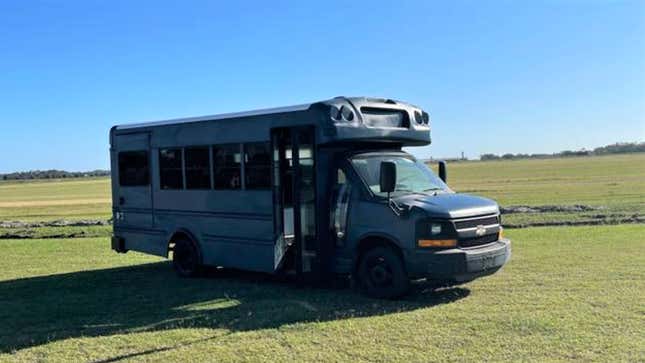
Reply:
x=379, y=272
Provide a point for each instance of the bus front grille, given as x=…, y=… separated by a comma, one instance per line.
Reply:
x=478, y=241
x=472, y=223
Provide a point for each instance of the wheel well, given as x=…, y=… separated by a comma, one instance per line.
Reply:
x=178, y=235
x=374, y=241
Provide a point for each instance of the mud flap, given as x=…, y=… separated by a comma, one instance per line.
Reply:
x=118, y=244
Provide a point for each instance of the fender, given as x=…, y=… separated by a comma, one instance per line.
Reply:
x=380, y=235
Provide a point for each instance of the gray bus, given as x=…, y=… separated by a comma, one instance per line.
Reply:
x=315, y=190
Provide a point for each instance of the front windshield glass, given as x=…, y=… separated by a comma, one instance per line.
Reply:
x=411, y=176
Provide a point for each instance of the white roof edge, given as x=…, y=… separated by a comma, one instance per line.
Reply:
x=266, y=111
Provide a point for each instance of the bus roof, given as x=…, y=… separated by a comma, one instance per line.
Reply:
x=221, y=116
x=340, y=118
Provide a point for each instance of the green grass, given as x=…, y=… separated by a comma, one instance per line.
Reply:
x=44, y=200
x=56, y=232
x=569, y=294
x=48, y=213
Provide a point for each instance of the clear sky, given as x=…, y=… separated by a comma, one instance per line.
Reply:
x=495, y=76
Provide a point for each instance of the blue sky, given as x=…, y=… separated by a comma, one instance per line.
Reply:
x=495, y=76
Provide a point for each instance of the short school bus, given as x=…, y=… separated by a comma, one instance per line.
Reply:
x=315, y=190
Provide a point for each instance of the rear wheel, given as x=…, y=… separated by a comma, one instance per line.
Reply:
x=186, y=258
x=381, y=274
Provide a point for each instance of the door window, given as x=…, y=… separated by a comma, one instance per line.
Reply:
x=340, y=206
x=307, y=190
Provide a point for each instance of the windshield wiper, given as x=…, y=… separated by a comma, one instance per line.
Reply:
x=432, y=189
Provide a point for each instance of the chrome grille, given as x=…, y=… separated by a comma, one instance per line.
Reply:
x=472, y=223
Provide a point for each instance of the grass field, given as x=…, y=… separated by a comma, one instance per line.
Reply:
x=61, y=199
x=568, y=294
x=615, y=183
x=571, y=293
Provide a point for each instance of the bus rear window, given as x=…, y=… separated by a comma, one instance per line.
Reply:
x=133, y=168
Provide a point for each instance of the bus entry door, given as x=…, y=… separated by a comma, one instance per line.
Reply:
x=294, y=193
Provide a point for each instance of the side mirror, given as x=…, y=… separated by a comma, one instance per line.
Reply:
x=387, y=178
x=443, y=173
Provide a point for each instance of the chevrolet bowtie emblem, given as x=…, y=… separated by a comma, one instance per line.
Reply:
x=480, y=231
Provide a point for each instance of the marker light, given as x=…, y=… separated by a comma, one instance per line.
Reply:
x=334, y=113
x=437, y=243
x=418, y=117
x=347, y=113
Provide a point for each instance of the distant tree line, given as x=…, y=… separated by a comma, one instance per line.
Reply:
x=53, y=174
x=617, y=148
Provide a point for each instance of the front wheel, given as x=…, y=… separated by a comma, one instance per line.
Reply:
x=186, y=259
x=381, y=274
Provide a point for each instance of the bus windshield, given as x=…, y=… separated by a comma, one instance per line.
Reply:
x=411, y=176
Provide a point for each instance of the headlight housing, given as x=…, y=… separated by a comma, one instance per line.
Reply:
x=436, y=233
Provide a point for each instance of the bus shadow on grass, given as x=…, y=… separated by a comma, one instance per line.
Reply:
x=149, y=297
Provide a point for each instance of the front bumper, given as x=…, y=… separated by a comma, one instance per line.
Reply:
x=458, y=264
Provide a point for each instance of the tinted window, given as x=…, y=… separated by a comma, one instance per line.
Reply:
x=227, y=166
x=170, y=173
x=257, y=165
x=198, y=168
x=340, y=204
x=133, y=168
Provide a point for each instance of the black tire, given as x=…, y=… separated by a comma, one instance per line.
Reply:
x=381, y=274
x=186, y=258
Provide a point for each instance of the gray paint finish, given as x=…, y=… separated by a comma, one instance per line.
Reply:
x=235, y=228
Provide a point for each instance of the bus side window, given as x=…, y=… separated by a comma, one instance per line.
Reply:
x=198, y=168
x=257, y=165
x=227, y=162
x=170, y=169
x=133, y=168
x=342, y=191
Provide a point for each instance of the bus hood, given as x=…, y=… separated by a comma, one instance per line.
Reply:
x=450, y=205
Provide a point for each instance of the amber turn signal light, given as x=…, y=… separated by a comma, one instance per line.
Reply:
x=437, y=243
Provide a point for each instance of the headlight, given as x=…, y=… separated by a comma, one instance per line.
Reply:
x=435, y=229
